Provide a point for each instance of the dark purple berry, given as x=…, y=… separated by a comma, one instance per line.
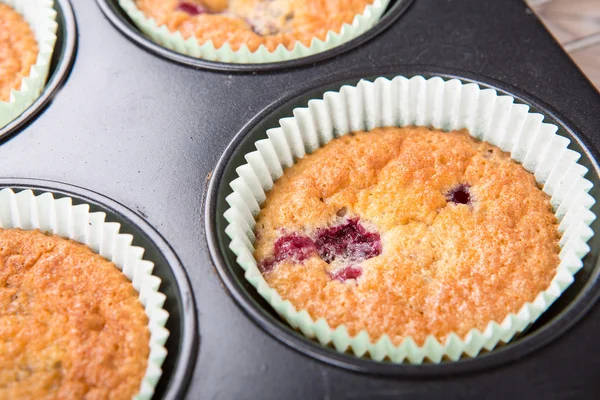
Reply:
x=295, y=247
x=267, y=265
x=347, y=273
x=459, y=194
x=349, y=241
x=191, y=8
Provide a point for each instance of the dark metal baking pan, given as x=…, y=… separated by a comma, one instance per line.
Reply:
x=147, y=132
x=571, y=305
x=62, y=60
x=119, y=18
x=182, y=343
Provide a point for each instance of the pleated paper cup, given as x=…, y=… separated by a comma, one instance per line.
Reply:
x=26, y=211
x=41, y=17
x=175, y=41
x=447, y=105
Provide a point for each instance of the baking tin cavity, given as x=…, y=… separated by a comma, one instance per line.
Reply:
x=62, y=61
x=118, y=18
x=571, y=306
x=182, y=343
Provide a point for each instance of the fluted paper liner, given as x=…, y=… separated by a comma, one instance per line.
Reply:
x=41, y=17
x=175, y=41
x=26, y=211
x=447, y=105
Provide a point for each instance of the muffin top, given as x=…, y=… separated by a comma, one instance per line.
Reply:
x=71, y=325
x=407, y=232
x=18, y=50
x=253, y=22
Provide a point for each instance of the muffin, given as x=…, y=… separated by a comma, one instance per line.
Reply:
x=408, y=232
x=27, y=38
x=18, y=51
x=71, y=326
x=410, y=219
x=253, y=31
x=253, y=22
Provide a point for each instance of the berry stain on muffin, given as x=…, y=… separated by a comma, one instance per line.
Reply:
x=347, y=273
x=289, y=247
x=459, y=194
x=191, y=8
x=345, y=246
x=349, y=241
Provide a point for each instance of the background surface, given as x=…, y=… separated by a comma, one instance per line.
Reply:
x=576, y=25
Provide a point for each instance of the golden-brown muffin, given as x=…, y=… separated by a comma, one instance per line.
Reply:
x=407, y=232
x=253, y=22
x=71, y=324
x=18, y=50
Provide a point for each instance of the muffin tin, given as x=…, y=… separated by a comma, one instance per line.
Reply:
x=161, y=138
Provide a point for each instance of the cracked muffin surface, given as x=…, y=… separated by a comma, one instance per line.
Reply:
x=71, y=324
x=253, y=22
x=407, y=232
x=18, y=50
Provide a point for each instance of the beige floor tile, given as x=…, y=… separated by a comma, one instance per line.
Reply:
x=570, y=19
x=589, y=8
x=575, y=24
x=588, y=60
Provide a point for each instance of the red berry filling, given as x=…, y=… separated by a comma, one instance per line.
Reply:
x=459, y=194
x=347, y=273
x=349, y=241
x=191, y=8
x=295, y=247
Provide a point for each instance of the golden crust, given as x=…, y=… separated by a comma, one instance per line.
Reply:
x=71, y=325
x=292, y=20
x=18, y=50
x=444, y=267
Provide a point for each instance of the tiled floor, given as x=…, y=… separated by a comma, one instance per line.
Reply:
x=576, y=25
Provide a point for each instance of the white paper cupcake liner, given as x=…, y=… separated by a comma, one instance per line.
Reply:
x=175, y=41
x=26, y=211
x=41, y=17
x=447, y=105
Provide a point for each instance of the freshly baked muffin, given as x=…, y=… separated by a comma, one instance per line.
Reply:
x=253, y=22
x=18, y=50
x=407, y=232
x=71, y=325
